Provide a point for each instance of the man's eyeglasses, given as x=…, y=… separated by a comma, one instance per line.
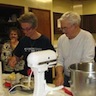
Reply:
x=26, y=29
x=63, y=29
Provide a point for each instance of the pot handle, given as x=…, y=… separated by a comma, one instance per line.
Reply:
x=90, y=80
x=70, y=82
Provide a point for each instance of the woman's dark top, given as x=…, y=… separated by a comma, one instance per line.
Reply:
x=27, y=45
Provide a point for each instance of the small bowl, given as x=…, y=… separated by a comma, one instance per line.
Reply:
x=24, y=81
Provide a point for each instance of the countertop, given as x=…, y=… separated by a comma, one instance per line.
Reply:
x=22, y=93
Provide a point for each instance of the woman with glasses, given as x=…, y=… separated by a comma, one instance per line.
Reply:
x=74, y=46
x=31, y=42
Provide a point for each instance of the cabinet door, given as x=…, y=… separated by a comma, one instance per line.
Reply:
x=56, y=16
x=44, y=21
x=7, y=11
x=89, y=22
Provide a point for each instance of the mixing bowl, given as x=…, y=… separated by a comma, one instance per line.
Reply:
x=83, y=79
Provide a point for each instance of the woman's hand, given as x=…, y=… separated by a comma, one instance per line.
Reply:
x=12, y=61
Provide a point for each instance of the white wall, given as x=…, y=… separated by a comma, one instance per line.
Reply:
x=62, y=5
x=29, y=3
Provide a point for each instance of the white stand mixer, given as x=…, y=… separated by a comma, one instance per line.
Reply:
x=39, y=62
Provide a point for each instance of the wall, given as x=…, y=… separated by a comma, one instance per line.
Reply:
x=62, y=6
x=88, y=7
x=29, y=3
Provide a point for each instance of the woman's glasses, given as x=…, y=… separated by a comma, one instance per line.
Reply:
x=26, y=29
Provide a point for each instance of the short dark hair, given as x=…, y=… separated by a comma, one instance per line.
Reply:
x=29, y=18
x=16, y=30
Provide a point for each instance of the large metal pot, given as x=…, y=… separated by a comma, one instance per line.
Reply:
x=83, y=79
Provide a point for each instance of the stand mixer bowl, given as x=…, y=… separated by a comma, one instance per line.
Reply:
x=83, y=79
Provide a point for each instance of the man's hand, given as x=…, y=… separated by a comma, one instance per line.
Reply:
x=59, y=80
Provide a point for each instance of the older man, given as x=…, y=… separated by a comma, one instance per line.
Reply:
x=74, y=46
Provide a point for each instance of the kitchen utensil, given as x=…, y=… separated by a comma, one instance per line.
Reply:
x=83, y=79
x=67, y=91
x=26, y=84
x=39, y=62
x=25, y=81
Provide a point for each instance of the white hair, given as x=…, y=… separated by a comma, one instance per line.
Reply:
x=71, y=17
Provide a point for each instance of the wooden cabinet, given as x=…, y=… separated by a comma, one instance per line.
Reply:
x=8, y=12
x=89, y=22
x=44, y=21
x=56, y=16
